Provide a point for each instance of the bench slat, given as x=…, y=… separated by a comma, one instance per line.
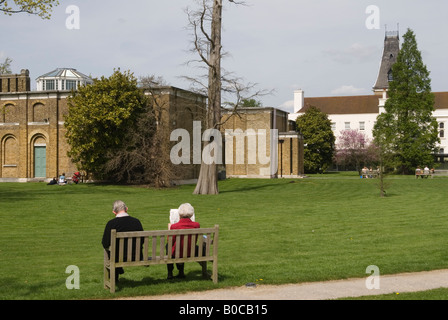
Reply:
x=208, y=242
x=137, y=248
x=145, y=249
x=120, y=250
x=170, y=245
x=200, y=245
x=129, y=257
x=177, y=250
x=192, y=246
x=185, y=251
x=154, y=248
x=163, y=232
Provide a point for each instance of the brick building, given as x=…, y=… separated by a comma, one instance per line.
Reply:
x=262, y=143
x=32, y=133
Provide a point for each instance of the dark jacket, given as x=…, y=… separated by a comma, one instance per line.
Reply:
x=121, y=224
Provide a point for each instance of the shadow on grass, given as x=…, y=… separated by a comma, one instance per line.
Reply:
x=248, y=187
x=195, y=275
x=20, y=289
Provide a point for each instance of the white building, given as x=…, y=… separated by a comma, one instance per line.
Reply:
x=62, y=79
x=360, y=112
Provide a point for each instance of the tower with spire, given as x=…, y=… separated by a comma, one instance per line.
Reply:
x=390, y=53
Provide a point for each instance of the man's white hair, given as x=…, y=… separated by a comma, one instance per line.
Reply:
x=119, y=206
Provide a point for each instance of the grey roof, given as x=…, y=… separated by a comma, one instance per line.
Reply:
x=390, y=53
x=66, y=73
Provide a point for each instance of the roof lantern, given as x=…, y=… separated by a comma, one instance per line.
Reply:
x=63, y=79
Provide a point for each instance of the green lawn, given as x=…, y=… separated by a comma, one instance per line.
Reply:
x=281, y=231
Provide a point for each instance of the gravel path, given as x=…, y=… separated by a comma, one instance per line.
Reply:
x=405, y=282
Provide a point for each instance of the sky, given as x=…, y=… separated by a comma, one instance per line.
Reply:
x=324, y=47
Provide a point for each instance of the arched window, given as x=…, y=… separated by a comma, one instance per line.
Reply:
x=10, y=157
x=8, y=114
x=40, y=113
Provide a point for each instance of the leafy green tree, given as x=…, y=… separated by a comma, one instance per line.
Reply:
x=41, y=8
x=250, y=103
x=318, y=138
x=101, y=124
x=407, y=132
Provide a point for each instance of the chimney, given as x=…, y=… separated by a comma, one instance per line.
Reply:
x=299, y=100
x=15, y=82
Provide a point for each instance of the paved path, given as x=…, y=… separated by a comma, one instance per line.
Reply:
x=405, y=282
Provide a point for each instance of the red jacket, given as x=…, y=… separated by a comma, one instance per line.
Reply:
x=185, y=223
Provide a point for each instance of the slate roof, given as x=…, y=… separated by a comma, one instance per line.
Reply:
x=390, y=53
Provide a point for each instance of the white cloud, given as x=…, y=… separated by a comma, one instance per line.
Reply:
x=349, y=90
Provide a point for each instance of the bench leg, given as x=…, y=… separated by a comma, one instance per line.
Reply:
x=112, y=280
x=106, y=278
x=106, y=271
x=215, y=272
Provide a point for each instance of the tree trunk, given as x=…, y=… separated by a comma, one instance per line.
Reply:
x=208, y=175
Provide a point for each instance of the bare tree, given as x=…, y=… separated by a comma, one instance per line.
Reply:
x=207, y=44
x=206, y=26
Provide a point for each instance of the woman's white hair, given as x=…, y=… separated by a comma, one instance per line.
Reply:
x=186, y=210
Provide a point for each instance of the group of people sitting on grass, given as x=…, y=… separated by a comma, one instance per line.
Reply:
x=63, y=181
x=123, y=222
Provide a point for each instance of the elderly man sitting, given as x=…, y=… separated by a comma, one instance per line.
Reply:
x=186, y=211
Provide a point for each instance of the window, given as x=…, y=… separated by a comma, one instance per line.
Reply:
x=70, y=84
x=48, y=85
x=442, y=131
x=347, y=125
x=362, y=125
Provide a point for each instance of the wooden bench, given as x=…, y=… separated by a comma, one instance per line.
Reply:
x=146, y=248
x=423, y=174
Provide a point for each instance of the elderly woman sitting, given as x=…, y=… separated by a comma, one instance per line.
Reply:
x=186, y=211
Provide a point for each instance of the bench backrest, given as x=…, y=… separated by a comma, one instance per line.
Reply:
x=150, y=247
